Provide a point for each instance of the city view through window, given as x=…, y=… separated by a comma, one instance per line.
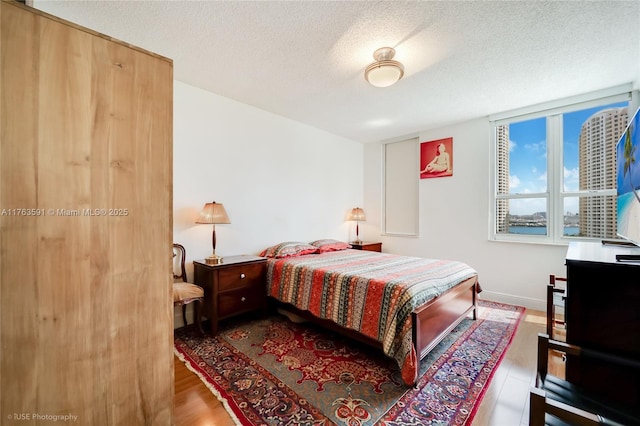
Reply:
x=589, y=138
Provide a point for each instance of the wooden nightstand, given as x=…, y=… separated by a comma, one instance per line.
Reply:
x=235, y=286
x=367, y=245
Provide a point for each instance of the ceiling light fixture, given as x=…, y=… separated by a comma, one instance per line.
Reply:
x=385, y=71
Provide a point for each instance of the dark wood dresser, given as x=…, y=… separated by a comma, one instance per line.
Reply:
x=603, y=312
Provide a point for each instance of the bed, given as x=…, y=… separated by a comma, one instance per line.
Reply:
x=403, y=305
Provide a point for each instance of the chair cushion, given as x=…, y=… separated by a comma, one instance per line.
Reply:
x=185, y=292
x=550, y=420
x=568, y=393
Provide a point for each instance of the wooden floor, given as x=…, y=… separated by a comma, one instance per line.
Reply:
x=506, y=402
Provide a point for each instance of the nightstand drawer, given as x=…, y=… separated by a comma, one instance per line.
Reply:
x=240, y=300
x=240, y=276
x=368, y=246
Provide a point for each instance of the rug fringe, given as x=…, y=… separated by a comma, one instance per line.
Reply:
x=224, y=401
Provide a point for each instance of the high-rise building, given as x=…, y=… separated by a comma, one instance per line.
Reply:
x=597, y=162
x=502, y=152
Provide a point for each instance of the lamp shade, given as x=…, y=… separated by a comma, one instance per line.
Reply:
x=357, y=214
x=213, y=213
x=385, y=71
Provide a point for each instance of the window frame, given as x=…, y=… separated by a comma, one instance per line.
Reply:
x=555, y=193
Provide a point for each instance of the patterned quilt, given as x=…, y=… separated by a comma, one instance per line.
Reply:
x=372, y=293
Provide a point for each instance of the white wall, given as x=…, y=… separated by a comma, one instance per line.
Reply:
x=278, y=179
x=281, y=180
x=454, y=221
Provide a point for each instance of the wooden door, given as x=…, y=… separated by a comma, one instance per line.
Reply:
x=86, y=315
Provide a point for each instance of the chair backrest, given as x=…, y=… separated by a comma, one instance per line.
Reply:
x=179, y=270
x=573, y=403
x=553, y=278
x=552, y=291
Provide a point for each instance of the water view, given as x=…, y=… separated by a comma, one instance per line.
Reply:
x=569, y=231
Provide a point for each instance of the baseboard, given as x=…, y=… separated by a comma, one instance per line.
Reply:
x=527, y=302
x=177, y=315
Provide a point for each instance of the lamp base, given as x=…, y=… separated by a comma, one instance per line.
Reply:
x=358, y=242
x=214, y=259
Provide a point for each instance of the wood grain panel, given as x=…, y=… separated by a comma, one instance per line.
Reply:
x=85, y=291
x=18, y=272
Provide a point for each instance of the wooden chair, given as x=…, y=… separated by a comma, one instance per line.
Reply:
x=555, y=300
x=184, y=292
x=554, y=401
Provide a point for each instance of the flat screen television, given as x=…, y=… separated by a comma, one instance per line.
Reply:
x=628, y=181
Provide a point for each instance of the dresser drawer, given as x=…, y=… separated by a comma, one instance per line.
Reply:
x=241, y=276
x=240, y=300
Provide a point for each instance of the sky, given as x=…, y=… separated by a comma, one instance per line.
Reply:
x=528, y=159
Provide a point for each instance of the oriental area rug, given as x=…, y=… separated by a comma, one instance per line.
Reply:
x=271, y=371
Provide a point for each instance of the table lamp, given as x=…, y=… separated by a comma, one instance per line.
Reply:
x=213, y=213
x=358, y=215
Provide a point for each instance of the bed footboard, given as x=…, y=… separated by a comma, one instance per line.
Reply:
x=436, y=318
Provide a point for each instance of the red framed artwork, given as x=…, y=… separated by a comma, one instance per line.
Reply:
x=436, y=158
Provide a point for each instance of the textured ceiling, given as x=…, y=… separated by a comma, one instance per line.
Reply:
x=305, y=59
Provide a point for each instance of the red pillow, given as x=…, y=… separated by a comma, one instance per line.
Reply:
x=330, y=245
x=289, y=249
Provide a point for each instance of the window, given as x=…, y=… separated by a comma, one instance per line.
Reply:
x=555, y=174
